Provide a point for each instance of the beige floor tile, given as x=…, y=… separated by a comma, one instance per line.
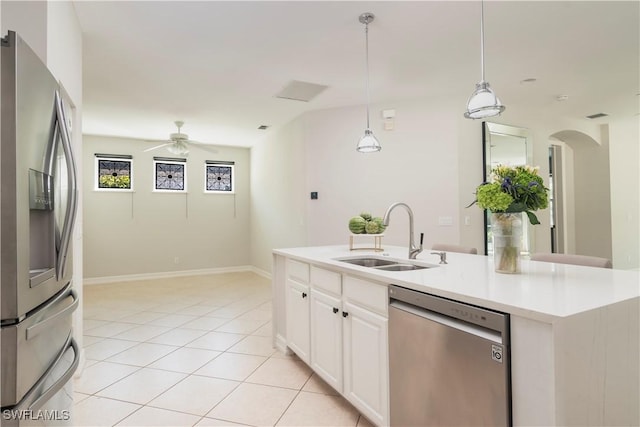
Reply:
x=264, y=331
x=88, y=340
x=205, y=323
x=280, y=355
x=195, y=395
x=239, y=326
x=178, y=336
x=147, y=416
x=172, y=320
x=142, y=354
x=143, y=317
x=142, y=386
x=106, y=348
x=312, y=409
x=92, y=323
x=212, y=422
x=89, y=362
x=170, y=307
x=142, y=333
x=98, y=411
x=260, y=346
x=96, y=377
x=318, y=385
x=281, y=373
x=254, y=404
x=232, y=366
x=228, y=312
x=110, y=314
x=256, y=314
x=186, y=360
x=364, y=422
x=109, y=330
x=197, y=310
x=79, y=397
x=218, y=341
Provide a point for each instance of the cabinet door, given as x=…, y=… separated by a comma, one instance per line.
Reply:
x=326, y=338
x=366, y=366
x=298, y=319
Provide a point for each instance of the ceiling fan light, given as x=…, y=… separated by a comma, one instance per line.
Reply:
x=368, y=143
x=179, y=149
x=483, y=103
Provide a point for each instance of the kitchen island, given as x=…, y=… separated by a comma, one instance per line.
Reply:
x=574, y=330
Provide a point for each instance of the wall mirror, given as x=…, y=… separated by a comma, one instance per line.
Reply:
x=508, y=146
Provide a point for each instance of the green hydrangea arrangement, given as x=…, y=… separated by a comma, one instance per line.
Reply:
x=514, y=189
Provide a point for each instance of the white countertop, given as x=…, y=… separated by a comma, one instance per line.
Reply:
x=541, y=291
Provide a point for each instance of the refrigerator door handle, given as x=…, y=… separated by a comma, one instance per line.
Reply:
x=26, y=403
x=34, y=330
x=70, y=215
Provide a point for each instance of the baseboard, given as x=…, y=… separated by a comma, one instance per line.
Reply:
x=261, y=272
x=167, y=274
x=281, y=343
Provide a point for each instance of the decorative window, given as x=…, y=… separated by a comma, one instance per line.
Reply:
x=114, y=172
x=170, y=174
x=218, y=177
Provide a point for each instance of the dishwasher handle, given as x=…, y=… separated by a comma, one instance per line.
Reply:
x=479, y=316
x=460, y=325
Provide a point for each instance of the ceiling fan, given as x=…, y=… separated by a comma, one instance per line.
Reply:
x=178, y=143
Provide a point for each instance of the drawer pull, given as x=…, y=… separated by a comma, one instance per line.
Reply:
x=345, y=314
x=304, y=295
x=335, y=310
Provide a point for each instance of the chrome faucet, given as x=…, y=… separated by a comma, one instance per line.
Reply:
x=413, y=249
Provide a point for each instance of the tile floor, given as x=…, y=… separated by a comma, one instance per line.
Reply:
x=194, y=351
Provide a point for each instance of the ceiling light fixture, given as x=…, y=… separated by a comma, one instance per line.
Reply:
x=483, y=102
x=368, y=143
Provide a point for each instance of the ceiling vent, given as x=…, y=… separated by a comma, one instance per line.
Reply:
x=597, y=116
x=301, y=91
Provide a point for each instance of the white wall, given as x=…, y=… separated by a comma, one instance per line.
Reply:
x=625, y=196
x=278, y=187
x=432, y=161
x=143, y=232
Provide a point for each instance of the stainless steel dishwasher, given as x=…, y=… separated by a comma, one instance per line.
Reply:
x=449, y=362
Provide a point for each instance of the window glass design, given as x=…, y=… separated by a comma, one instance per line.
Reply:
x=170, y=176
x=113, y=174
x=219, y=178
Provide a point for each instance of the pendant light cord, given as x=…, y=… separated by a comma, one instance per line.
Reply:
x=366, y=36
x=482, y=38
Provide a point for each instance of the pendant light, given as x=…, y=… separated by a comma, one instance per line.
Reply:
x=368, y=143
x=483, y=102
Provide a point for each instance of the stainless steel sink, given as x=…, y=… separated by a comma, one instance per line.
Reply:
x=402, y=267
x=369, y=262
x=385, y=264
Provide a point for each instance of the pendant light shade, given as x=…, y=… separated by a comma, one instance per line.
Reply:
x=483, y=102
x=368, y=143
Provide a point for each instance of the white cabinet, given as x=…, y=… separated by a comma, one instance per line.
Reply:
x=365, y=348
x=338, y=325
x=326, y=337
x=298, y=338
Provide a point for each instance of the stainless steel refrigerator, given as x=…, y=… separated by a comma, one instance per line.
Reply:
x=38, y=199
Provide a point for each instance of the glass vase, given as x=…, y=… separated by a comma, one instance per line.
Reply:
x=507, y=241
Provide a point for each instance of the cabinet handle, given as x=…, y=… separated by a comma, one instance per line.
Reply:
x=304, y=295
x=335, y=310
x=345, y=314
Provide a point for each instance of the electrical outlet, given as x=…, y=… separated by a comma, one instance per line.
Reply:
x=176, y=260
x=445, y=220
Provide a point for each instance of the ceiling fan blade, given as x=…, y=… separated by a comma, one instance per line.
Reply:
x=158, y=146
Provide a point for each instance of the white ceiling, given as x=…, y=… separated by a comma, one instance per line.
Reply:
x=218, y=65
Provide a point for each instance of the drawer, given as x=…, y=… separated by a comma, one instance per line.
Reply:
x=329, y=281
x=370, y=295
x=298, y=270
